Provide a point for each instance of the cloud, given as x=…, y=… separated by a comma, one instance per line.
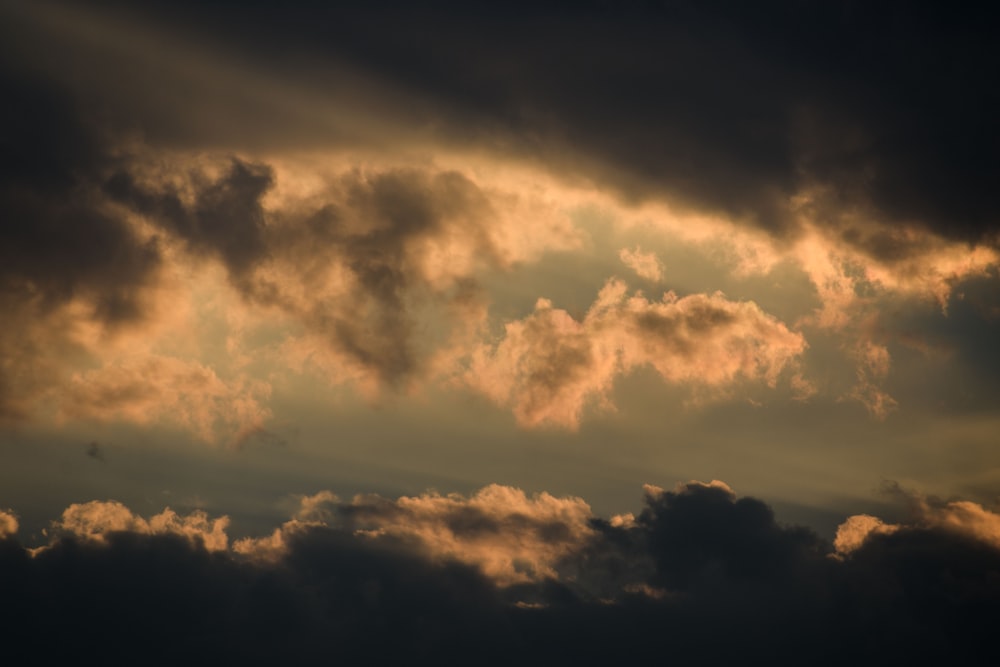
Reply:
x=68, y=259
x=97, y=520
x=360, y=260
x=873, y=129
x=507, y=535
x=8, y=523
x=550, y=366
x=855, y=530
x=645, y=264
x=153, y=388
x=224, y=217
x=699, y=561
x=510, y=536
x=873, y=366
x=962, y=518
x=364, y=223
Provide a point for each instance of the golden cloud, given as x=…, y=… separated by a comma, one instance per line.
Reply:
x=549, y=366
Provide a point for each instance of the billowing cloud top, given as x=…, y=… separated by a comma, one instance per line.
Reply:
x=697, y=554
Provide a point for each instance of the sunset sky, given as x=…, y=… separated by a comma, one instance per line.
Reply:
x=633, y=312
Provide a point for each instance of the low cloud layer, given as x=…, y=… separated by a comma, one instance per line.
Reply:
x=510, y=536
x=375, y=579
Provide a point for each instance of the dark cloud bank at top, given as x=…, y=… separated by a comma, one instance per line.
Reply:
x=881, y=108
x=713, y=579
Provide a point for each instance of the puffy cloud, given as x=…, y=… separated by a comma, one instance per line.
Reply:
x=549, y=366
x=8, y=523
x=960, y=517
x=645, y=264
x=965, y=517
x=359, y=259
x=856, y=529
x=509, y=536
x=96, y=520
x=697, y=561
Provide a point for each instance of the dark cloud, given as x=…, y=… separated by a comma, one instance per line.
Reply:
x=58, y=237
x=885, y=108
x=728, y=583
x=61, y=242
x=954, y=350
x=703, y=537
x=372, y=227
x=225, y=218
x=334, y=598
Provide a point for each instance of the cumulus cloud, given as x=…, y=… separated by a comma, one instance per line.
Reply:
x=96, y=520
x=359, y=260
x=856, y=529
x=8, y=523
x=698, y=562
x=959, y=517
x=509, y=536
x=549, y=366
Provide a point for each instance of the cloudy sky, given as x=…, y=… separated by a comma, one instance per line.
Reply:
x=556, y=318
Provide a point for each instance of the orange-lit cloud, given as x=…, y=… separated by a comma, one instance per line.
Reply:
x=8, y=523
x=511, y=536
x=550, y=366
x=962, y=517
x=645, y=264
x=853, y=532
x=182, y=393
x=96, y=519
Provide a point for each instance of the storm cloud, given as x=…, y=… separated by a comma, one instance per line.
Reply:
x=882, y=108
x=697, y=563
x=367, y=231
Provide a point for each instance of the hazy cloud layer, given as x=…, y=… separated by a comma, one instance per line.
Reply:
x=160, y=138
x=722, y=108
x=156, y=389
x=697, y=562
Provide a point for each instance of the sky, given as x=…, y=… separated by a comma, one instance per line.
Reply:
x=471, y=331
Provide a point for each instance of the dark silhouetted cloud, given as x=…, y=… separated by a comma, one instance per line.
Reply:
x=885, y=108
x=700, y=574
